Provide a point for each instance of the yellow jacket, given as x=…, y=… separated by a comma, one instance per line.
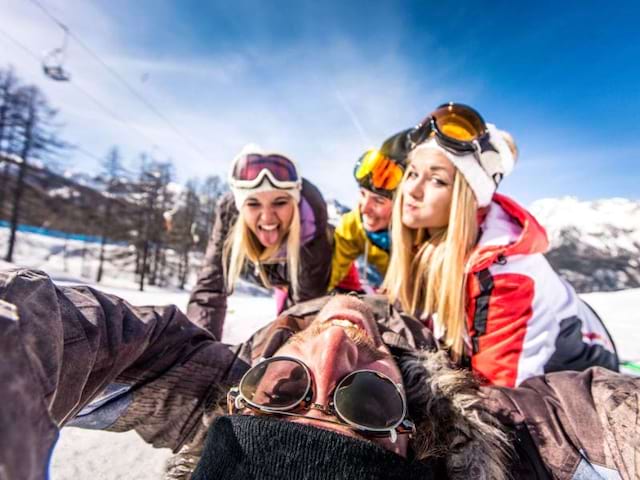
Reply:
x=350, y=241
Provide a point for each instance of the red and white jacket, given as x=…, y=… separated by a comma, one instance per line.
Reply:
x=523, y=319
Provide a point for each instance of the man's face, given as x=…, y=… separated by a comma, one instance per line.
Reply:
x=375, y=209
x=343, y=338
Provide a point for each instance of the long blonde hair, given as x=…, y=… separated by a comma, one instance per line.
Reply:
x=242, y=245
x=426, y=272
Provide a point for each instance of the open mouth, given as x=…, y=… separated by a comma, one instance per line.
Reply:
x=268, y=228
x=347, y=320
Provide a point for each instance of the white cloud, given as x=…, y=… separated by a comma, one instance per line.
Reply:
x=322, y=107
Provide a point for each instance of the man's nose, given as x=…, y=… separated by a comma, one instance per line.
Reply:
x=332, y=355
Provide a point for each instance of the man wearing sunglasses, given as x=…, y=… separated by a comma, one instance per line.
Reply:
x=364, y=231
x=334, y=388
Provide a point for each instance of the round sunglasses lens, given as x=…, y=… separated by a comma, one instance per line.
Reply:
x=459, y=122
x=369, y=400
x=278, y=383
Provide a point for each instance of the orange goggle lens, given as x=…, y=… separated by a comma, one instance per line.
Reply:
x=383, y=172
x=459, y=122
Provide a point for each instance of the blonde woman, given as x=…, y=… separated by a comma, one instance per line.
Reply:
x=470, y=261
x=271, y=229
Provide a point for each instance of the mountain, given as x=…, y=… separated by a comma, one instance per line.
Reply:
x=594, y=244
x=336, y=209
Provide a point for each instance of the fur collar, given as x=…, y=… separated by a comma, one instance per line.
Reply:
x=452, y=425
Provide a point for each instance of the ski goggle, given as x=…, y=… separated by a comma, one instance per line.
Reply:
x=250, y=170
x=376, y=171
x=457, y=128
x=364, y=400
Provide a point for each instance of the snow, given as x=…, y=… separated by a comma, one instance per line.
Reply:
x=92, y=454
x=611, y=225
x=89, y=453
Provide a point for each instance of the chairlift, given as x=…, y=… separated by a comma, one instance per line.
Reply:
x=53, y=62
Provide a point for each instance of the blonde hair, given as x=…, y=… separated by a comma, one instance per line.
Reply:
x=426, y=272
x=242, y=245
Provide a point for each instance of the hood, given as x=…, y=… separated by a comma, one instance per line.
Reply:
x=452, y=422
x=507, y=229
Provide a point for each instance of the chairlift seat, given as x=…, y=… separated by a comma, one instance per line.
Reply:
x=56, y=73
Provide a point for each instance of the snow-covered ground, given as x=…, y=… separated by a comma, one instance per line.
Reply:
x=98, y=455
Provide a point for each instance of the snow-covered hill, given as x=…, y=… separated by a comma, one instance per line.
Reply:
x=335, y=210
x=594, y=244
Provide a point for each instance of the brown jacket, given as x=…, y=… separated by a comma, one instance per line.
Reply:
x=208, y=302
x=76, y=356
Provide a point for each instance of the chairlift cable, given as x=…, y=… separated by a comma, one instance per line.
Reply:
x=97, y=102
x=124, y=82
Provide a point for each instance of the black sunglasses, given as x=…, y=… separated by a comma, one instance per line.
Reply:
x=365, y=400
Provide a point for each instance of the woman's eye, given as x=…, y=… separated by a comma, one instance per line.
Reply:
x=438, y=182
x=412, y=174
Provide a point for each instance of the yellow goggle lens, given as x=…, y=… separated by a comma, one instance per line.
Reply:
x=368, y=163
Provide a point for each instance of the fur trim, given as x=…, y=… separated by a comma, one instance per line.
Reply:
x=452, y=424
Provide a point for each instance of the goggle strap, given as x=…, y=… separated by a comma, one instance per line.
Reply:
x=265, y=173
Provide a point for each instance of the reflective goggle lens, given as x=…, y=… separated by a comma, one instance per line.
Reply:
x=459, y=122
x=278, y=384
x=367, y=163
x=249, y=167
x=384, y=173
x=370, y=400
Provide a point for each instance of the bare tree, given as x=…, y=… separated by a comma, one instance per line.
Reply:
x=8, y=83
x=38, y=138
x=157, y=232
x=212, y=188
x=112, y=175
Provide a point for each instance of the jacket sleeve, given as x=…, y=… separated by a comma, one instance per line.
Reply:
x=346, y=247
x=208, y=301
x=76, y=356
x=525, y=321
x=572, y=425
x=315, y=255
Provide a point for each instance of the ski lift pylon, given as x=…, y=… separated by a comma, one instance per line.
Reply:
x=53, y=62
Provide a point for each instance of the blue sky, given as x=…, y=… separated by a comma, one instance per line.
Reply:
x=322, y=81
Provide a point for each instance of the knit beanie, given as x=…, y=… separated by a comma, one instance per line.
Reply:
x=246, y=447
x=498, y=159
x=240, y=194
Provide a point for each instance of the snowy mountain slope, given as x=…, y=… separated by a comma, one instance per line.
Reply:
x=594, y=244
x=335, y=210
